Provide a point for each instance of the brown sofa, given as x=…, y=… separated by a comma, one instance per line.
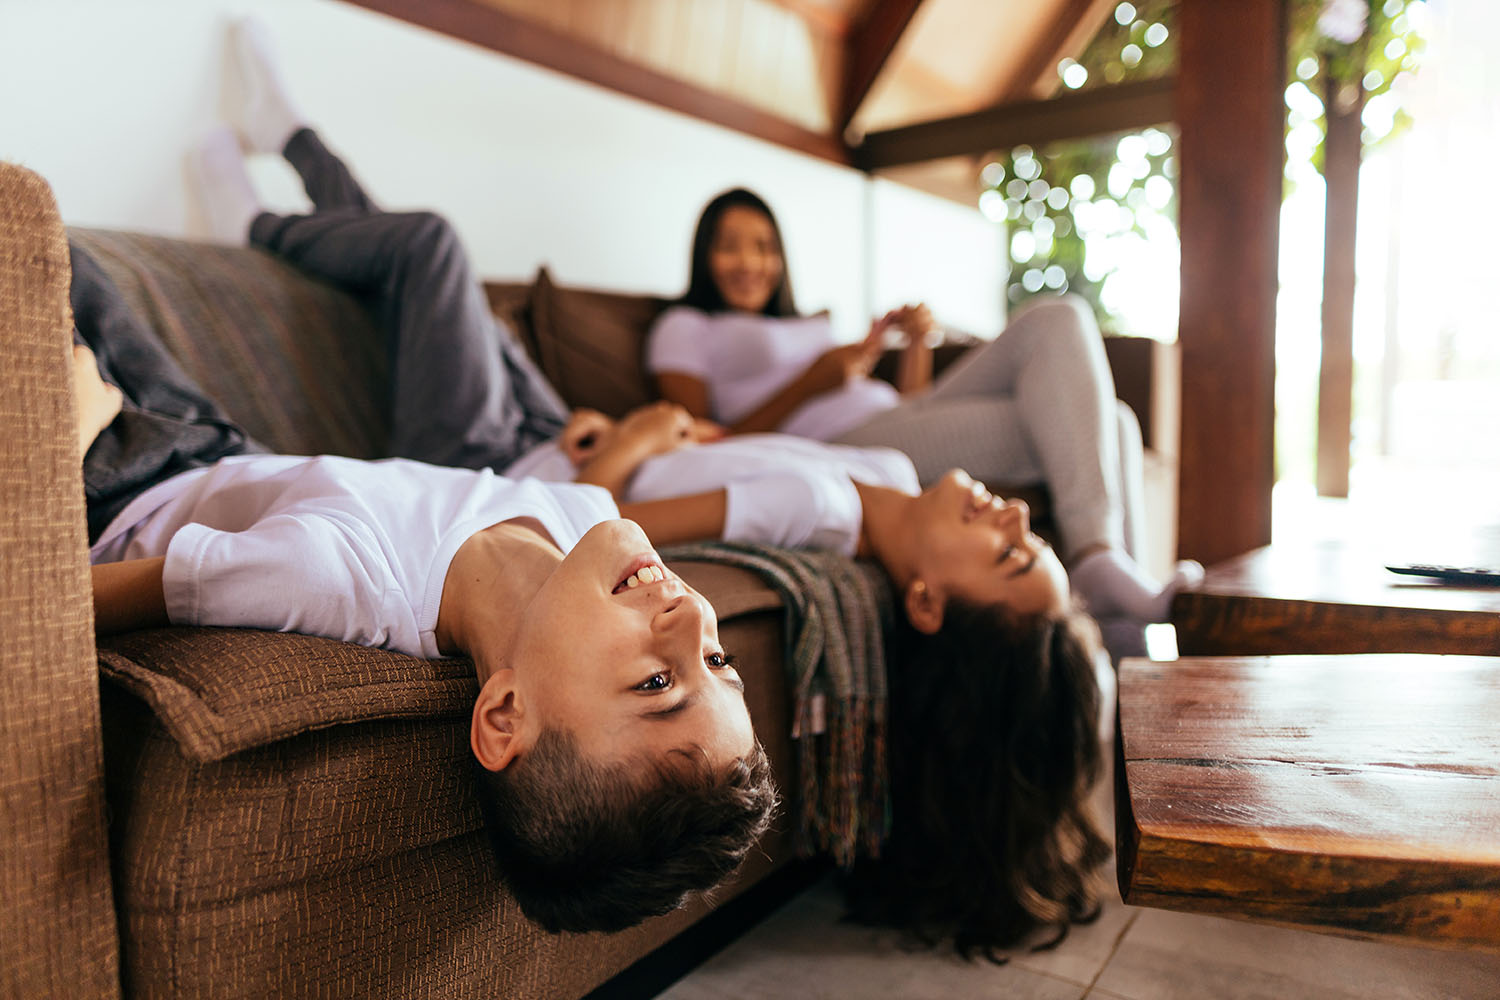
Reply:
x=286, y=816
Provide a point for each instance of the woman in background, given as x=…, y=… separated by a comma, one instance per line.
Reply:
x=1035, y=405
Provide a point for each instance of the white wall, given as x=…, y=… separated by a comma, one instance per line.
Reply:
x=105, y=98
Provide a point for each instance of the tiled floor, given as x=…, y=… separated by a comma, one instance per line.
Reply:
x=1131, y=953
x=803, y=951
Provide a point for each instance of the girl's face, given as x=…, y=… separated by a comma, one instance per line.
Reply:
x=977, y=547
x=744, y=259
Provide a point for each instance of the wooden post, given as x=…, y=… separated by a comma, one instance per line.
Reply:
x=1231, y=74
x=1344, y=102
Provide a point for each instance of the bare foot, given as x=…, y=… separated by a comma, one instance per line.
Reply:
x=98, y=401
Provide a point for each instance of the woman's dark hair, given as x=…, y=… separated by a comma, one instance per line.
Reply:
x=586, y=846
x=702, y=292
x=994, y=747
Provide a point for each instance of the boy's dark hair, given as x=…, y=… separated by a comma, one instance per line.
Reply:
x=994, y=747
x=702, y=292
x=592, y=847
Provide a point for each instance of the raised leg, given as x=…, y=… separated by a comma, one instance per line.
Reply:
x=463, y=391
x=166, y=425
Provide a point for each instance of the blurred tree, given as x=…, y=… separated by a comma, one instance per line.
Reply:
x=1077, y=210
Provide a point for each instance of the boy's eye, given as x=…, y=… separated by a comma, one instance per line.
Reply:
x=656, y=682
x=718, y=661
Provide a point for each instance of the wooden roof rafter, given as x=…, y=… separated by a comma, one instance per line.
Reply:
x=512, y=35
x=867, y=48
x=1115, y=108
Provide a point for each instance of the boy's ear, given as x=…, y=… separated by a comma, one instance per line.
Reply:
x=494, y=729
x=924, y=607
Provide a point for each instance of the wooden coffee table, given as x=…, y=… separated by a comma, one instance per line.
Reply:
x=1331, y=597
x=1358, y=794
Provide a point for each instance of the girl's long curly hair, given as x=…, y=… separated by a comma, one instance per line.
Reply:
x=994, y=748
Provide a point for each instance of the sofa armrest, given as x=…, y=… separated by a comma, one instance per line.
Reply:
x=57, y=928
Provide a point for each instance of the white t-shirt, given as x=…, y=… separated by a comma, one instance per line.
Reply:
x=781, y=490
x=329, y=546
x=745, y=360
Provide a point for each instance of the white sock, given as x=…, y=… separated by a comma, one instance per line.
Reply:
x=268, y=117
x=224, y=188
x=1114, y=585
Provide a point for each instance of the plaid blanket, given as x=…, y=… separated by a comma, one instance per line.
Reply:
x=838, y=611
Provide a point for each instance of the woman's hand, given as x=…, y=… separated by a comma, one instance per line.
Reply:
x=840, y=364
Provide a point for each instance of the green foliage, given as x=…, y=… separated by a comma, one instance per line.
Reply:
x=1138, y=42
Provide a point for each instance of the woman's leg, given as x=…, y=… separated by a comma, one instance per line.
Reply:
x=1036, y=404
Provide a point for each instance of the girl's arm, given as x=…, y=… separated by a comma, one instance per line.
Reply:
x=680, y=519
x=128, y=595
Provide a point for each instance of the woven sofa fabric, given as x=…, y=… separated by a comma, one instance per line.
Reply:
x=296, y=362
x=348, y=861
x=57, y=929
x=221, y=691
x=591, y=345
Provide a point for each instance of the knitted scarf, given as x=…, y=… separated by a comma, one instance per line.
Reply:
x=837, y=613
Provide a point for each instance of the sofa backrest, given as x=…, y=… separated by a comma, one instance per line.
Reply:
x=590, y=344
x=296, y=362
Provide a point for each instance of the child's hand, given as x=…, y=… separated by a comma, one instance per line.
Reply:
x=587, y=432
x=98, y=401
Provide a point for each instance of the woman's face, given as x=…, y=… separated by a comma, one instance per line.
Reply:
x=744, y=259
x=979, y=548
x=628, y=668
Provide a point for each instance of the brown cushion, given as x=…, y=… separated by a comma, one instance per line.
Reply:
x=221, y=691
x=511, y=304
x=590, y=344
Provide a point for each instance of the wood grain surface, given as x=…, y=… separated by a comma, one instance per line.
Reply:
x=1331, y=597
x=1356, y=793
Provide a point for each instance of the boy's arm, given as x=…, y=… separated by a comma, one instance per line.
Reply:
x=128, y=595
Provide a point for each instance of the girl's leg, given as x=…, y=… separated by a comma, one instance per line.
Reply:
x=326, y=178
x=272, y=123
x=463, y=393
x=166, y=425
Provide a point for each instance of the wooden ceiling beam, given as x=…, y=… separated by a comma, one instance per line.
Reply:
x=1100, y=111
x=866, y=51
x=1071, y=28
x=504, y=32
x=820, y=17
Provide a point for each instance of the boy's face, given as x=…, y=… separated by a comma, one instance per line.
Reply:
x=624, y=669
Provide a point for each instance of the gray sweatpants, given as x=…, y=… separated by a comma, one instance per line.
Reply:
x=1035, y=405
x=463, y=392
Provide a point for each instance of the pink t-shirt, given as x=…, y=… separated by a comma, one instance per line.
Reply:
x=745, y=360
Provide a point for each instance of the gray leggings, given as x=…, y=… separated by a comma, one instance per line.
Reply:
x=1035, y=405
